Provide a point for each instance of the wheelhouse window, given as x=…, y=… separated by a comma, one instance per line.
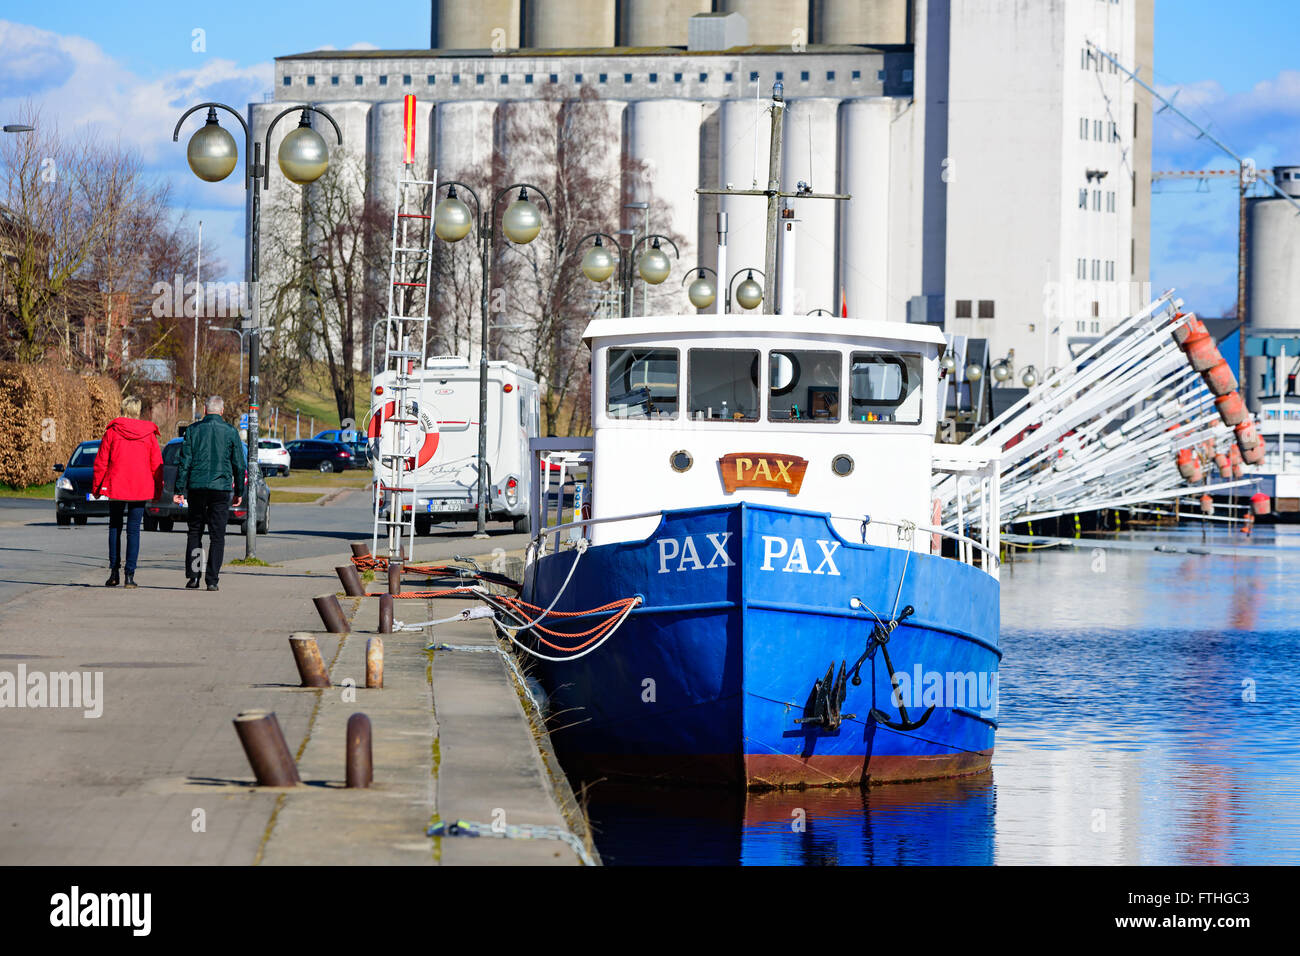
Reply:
x=885, y=387
x=724, y=385
x=641, y=383
x=803, y=386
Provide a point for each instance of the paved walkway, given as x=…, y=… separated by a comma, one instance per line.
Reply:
x=160, y=777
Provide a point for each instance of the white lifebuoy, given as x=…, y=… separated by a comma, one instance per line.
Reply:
x=416, y=441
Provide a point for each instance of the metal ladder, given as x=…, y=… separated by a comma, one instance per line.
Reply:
x=406, y=339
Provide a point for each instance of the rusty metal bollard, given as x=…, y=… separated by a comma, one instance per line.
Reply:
x=259, y=733
x=350, y=580
x=306, y=654
x=359, y=760
x=385, y=614
x=395, y=579
x=331, y=613
x=360, y=549
x=375, y=662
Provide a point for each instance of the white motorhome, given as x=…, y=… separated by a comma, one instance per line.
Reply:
x=439, y=435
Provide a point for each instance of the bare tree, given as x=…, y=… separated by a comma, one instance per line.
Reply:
x=321, y=291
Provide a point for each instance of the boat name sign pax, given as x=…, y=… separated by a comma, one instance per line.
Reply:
x=755, y=469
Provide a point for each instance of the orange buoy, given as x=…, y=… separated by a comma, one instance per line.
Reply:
x=1234, y=454
x=1197, y=474
x=1231, y=408
x=1190, y=326
x=1221, y=462
x=1207, y=505
x=1237, y=471
x=1219, y=378
x=1254, y=456
x=1202, y=353
x=1187, y=463
x=1259, y=503
x=1248, y=524
x=1247, y=437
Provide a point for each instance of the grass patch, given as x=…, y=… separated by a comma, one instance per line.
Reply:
x=250, y=562
x=330, y=481
x=295, y=497
x=31, y=491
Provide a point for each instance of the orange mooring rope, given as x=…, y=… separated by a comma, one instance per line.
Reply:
x=621, y=608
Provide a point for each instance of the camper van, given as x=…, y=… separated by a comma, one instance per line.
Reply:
x=442, y=442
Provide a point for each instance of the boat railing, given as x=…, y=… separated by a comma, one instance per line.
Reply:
x=553, y=462
x=967, y=547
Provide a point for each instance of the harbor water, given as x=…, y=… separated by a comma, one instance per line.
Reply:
x=1149, y=714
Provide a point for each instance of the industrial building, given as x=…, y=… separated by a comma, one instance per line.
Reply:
x=1272, y=291
x=999, y=167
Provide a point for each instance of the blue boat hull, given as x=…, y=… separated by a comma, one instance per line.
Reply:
x=744, y=608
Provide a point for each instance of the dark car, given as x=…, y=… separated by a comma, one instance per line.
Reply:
x=322, y=455
x=162, y=513
x=72, y=497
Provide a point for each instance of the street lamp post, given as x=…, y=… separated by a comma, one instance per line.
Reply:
x=521, y=223
x=653, y=265
x=702, y=291
x=242, y=333
x=303, y=158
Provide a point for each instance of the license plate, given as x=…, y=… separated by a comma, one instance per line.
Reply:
x=90, y=497
x=446, y=504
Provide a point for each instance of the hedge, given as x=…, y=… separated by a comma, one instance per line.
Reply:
x=44, y=414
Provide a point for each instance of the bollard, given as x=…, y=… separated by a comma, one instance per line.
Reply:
x=395, y=579
x=360, y=766
x=263, y=742
x=375, y=662
x=385, y=614
x=331, y=613
x=306, y=654
x=350, y=580
x=360, y=549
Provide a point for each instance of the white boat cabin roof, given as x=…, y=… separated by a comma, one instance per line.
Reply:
x=842, y=330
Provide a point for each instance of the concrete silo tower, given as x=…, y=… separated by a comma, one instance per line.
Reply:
x=480, y=25
x=1272, y=279
x=568, y=24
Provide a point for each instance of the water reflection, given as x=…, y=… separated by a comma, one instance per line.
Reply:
x=1150, y=715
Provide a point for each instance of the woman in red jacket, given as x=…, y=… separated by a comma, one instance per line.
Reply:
x=129, y=470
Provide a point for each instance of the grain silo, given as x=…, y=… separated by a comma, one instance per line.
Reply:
x=1272, y=274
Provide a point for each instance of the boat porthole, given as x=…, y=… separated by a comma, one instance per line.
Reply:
x=842, y=465
x=681, y=460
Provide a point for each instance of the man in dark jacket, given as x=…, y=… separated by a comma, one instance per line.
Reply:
x=210, y=471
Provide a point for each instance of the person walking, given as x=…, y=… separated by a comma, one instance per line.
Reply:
x=129, y=472
x=209, y=473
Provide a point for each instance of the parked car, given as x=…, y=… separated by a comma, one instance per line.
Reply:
x=272, y=456
x=73, y=500
x=345, y=435
x=322, y=455
x=162, y=513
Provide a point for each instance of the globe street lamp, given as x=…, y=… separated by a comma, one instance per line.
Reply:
x=213, y=153
x=653, y=265
x=702, y=292
x=749, y=294
x=521, y=223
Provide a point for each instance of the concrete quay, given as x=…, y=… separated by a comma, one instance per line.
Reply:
x=160, y=777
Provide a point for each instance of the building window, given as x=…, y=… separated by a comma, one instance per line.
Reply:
x=1096, y=200
x=1080, y=326
x=311, y=81
x=555, y=78
x=1083, y=127
x=334, y=81
x=963, y=308
x=704, y=77
x=383, y=81
x=753, y=76
x=677, y=77
x=287, y=81
x=358, y=81
x=880, y=75
x=478, y=78
x=577, y=78
x=654, y=77
x=1096, y=309
x=1110, y=201
x=728, y=77
x=856, y=75
x=528, y=79
x=803, y=76
x=986, y=308
x=1096, y=269
x=627, y=77
x=1114, y=132
x=504, y=78
x=1081, y=268
x=1083, y=199
x=406, y=79
x=429, y=79
x=455, y=79
x=1110, y=270
x=780, y=75
x=907, y=76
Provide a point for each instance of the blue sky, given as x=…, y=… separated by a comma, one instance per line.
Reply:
x=131, y=68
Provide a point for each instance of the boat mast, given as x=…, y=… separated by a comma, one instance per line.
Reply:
x=774, y=196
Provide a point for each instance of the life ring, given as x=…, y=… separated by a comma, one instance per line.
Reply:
x=428, y=427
